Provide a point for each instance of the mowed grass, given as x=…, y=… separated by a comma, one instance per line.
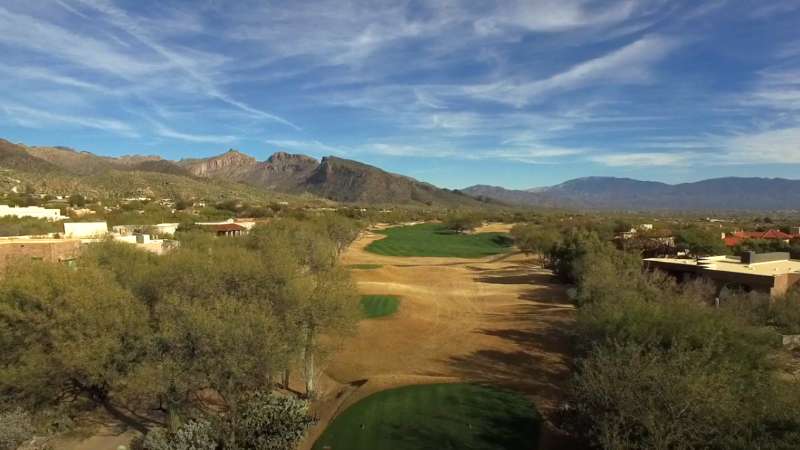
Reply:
x=430, y=239
x=379, y=305
x=364, y=266
x=436, y=417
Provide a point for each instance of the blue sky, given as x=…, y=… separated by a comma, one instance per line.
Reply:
x=512, y=93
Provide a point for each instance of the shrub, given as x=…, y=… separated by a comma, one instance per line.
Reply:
x=636, y=397
x=268, y=421
x=193, y=435
x=15, y=428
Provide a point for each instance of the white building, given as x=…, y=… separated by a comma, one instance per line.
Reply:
x=85, y=230
x=51, y=214
x=165, y=228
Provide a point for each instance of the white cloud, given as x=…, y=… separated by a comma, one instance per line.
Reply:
x=553, y=15
x=303, y=145
x=192, y=63
x=164, y=131
x=778, y=146
x=27, y=32
x=643, y=159
x=627, y=65
x=38, y=118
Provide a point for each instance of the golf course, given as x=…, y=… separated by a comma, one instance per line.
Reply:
x=379, y=305
x=432, y=239
x=461, y=346
x=435, y=417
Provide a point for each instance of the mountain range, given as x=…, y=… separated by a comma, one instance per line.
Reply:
x=718, y=194
x=233, y=174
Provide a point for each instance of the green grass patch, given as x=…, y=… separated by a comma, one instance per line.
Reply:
x=430, y=239
x=436, y=417
x=379, y=305
x=364, y=266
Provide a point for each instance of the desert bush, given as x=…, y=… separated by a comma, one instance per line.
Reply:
x=637, y=396
x=267, y=421
x=15, y=428
x=660, y=368
x=193, y=435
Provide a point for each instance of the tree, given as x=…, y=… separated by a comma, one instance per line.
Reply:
x=533, y=239
x=462, y=223
x=77, y=200
x=330, y=308
x=339, y=229
x=66, y=333
x=701, y=242
x=182, y=204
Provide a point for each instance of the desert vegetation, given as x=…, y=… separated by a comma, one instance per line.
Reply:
x=661, y=367
x=202, y=341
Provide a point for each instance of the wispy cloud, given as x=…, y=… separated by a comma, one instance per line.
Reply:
x=167, y=132
x=644, y=159
x=553, y=15
x=37, y=118
x=303, y=146
x=777, y=146
x=627, y=65
x=191, y=63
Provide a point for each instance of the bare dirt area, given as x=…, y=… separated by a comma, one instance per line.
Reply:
x=501, y=319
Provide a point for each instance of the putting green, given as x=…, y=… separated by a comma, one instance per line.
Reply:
x=436, y=417
x=431, y=239
x=379, y=305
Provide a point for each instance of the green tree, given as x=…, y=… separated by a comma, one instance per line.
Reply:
x=66, y=333
x=461, y=223
x=534, y=239
x=77, y=200
x=701, y=242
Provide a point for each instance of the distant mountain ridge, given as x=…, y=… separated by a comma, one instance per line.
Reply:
x=729, y=193
x=233, y=173
x=333, y=178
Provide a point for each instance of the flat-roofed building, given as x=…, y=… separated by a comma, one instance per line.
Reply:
x=85, y=230
x=37, y=212
x=51, y=250
x=771, y=273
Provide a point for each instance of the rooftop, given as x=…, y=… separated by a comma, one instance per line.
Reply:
x=735, y=264
x=19, y=240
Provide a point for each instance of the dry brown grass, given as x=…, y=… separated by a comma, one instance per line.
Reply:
x=499, y=319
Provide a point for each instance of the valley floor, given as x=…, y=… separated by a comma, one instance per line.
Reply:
x=500, y=319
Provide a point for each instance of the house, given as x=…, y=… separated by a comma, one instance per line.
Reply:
x=49, y=214
x=228, y=229
x=85, y=230
x=165, y=229
x=50, y=250
x=145, y=242
x=770, y=273
x=80, y=212
x=738, y=237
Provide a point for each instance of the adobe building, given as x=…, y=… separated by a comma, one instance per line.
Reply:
x=51, y=250
x=770, y=273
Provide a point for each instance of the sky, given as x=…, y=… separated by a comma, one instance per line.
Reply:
x=511, y=93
